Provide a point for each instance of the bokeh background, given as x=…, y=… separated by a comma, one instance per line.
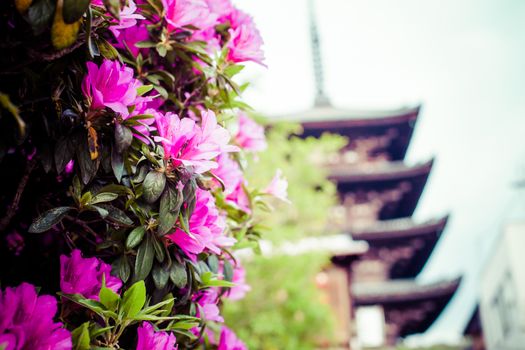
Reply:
x=464, y=61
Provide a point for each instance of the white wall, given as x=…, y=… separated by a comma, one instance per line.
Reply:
x=502, y=302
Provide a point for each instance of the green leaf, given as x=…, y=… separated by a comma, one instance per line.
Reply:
x=165, y=306
x=135, y=237
x=40, y=14
x=134, y=299
x=227, y=270
x=93, y=305
x=88, y=167
x=210, y=280
x=141, y=90
x=117, y=215
x=178, y=275
x=123, y=269
x=145, y=44
x=230, y=71
x=159, y=250
x=107, y=50
x=101, y=211
x=162, y=91
x=170, y=204
x=123, y=137
x=144, y=260
x=80, y=337
x=63, y=154
x=109, y=298
x=153, y=186
x=117, y=163
x=104, y=197
x=73, y=10
x=113, y=7
x=48, y=219
x=213, y=263
x=160, y=276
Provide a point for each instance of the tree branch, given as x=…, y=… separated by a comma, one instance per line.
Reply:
x=13, y=207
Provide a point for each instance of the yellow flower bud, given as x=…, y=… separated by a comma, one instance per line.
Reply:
x=62, y=34
x=22, y=5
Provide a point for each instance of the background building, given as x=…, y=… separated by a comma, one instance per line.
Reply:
x=502, y=298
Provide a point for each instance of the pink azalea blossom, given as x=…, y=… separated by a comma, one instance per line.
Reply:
x=111, y=85
x=84, y=275
x=278, y=187
x=206, y=227
x=69, y=167
x=128, y=37
x=209, y=310
x=128, y=18
x=189, y=144
x=231, y=175
x=220, y=8
x=245, y=40
x=180, y=13
x=250, y=135
x=148, y=339
x=240, y=198
x=240, y=289
x=26, y=321
x=229, y=172
x=229, y=341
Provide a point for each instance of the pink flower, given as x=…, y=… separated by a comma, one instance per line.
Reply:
x=206, y=227
x=128, y=19
x=69, y=166
x=250, y=135
x=229, y=341
x=128, y=37
x=84, y=276
x=186, y=143
x=220, y=8
x=245, y=40
x=240, y=198
x=180, y=13
x=209, y=311
x=240, y=289
x=111, y=85
x=230, y=173
x=26, y=321
x=278, y=187
x=148, y=339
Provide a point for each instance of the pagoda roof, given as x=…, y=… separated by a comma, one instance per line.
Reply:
x=384, y=176
x=361, y=123
x=386, y=231
x=328, y=114
x=474, y=326
x=412, y=306
x=419, y=238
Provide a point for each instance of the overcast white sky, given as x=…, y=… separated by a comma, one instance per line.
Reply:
x=464, y=60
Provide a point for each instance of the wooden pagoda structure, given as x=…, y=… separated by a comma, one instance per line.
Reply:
x=378, y=193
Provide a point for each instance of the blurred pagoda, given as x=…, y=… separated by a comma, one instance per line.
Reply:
x=378, y=193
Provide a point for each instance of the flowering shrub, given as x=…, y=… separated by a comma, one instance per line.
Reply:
x=123, y=141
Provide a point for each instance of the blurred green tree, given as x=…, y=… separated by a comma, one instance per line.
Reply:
x=284, y=309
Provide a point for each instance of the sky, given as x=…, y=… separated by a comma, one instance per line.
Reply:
x=464, y=61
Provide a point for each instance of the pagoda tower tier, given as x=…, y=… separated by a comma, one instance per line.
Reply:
x=373, y=135
x=398, y=248
x=408, y=307
x=379, y=191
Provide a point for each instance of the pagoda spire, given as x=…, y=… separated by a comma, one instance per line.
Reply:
x=320, y=97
